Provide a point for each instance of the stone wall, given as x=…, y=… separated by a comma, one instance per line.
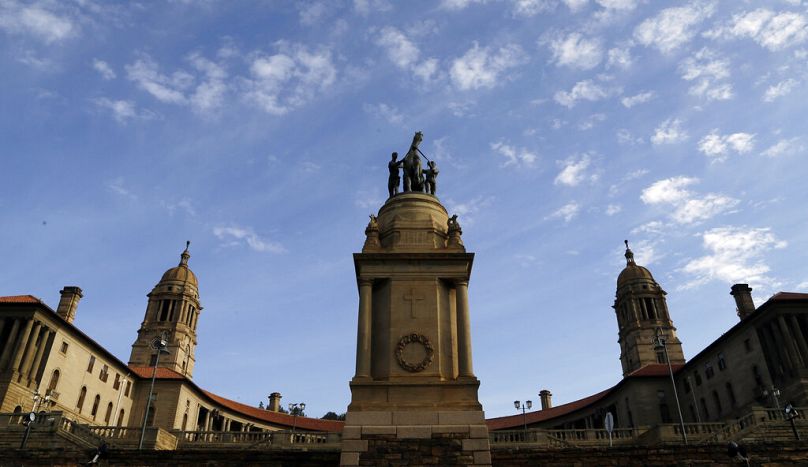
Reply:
x=769, y=454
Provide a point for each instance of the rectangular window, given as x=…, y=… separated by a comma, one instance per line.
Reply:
x=91, y=364
x=104, y=375
x=697, y=376
x=687, y=386
x=649, y=305
x=64, y=347
x=722, y=363
x=126, y=390
x=117, y=383
x=708, y=370
x=153, y=360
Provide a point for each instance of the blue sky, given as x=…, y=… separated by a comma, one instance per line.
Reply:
x=261, y=130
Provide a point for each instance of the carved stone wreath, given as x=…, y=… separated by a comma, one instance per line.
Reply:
x=412, y=339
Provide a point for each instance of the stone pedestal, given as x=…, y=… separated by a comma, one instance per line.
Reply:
x=414, y=396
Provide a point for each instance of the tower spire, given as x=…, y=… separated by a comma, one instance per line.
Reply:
x=629, y=255
x=185, y=255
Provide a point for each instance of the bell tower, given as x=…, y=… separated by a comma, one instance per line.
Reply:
x=173, y=310
x=641, y=308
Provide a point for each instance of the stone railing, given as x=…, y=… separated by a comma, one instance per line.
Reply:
x=563, y=438
x=258, y=440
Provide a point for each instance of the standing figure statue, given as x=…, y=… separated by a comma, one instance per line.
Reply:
x=394, y=179
x=413, y=174
x=430, y=184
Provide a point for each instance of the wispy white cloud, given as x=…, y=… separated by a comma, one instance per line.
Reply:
x=482, y=67
x=165, y=88
x=772, y=30
x=566, y=212
x=529, y=8
x=631, y=101
x=734, y=254
x=122, y=110
x=780, y=89
x=613, y=209
x=673, y=27
x=384, y=111
x=234, y=235
x=589, y=122
x=38, y=20
x=576, y=51
x=365, y=7
x=118, y=187
x=515, y=157
x=459, y=4
x=784, y=147
x=104, y=69
x=719, y=146
x=619, y=58
x=669, y=131
x=405, y=54
x=709, y=74
x=575, y=5
x=583, y=90
x=573, y=170
x=289, y=79
x=688, y=207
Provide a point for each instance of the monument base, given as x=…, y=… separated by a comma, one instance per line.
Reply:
x=415, y=438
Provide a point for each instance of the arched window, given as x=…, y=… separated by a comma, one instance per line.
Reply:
x=717, y=401
x=120, y=418
x=152, y=413
x=96, y=403
x=731, y=394
x=108, y=415
x=704, y=408
x=53, y=382
x=82, y=395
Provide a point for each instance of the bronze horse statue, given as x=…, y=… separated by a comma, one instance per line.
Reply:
x=413, y=174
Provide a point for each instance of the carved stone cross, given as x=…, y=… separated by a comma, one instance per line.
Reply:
x=413, y=299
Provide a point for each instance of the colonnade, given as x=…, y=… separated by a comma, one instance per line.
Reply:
x=24, y=348
x=785, y=339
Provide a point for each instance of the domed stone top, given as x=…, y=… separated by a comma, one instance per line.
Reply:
x=410, y=222
x=181, y=272
x=632, y=271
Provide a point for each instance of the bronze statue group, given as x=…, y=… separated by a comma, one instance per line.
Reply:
x=416, y=179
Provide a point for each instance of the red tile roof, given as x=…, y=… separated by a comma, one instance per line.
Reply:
x=162, y=373
x=277, y=418
x=304, y=423
x=656, y=369
x=788, y=296
x=546, y=414
x=20, y=299
x=511, y=421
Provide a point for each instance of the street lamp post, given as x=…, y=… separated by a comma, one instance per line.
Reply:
x=660, y=344
x=295, y=409
x=31, y=417
x=159, y=344
x=526, y=406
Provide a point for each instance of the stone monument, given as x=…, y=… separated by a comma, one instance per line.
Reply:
x=414, y=395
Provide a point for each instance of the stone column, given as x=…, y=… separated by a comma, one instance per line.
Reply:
x=5, y=355
x=776, y=342
x=463, y=329
x=25, y=337
x=791, y=345
x=30, y=349
x=364, y=328
x=31, y=371
x=797, y=331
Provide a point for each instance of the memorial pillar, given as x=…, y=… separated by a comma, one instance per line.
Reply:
x=363, y=332
x=463, y=329
x=791, y=346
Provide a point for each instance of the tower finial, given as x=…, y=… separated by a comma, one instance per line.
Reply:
x=185, y=255
x=629, y=254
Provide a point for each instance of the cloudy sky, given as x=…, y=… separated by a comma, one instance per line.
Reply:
x=260, y=131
